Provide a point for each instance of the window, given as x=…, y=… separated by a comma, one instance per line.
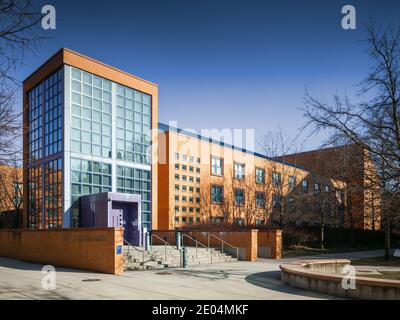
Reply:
x=191, y=219
x=184, y=157
x=260, y=199
x=327, y=188
x=197, y=190
x=184, y=178
x=216, y=194
x=197, y=200
x=177, y=177
x=260, y=175
x=184, y=167
x=191, y=179
x=184, y=188
x=317, y=187
x=197, y=170
x=198, y=180
x=304, y=185
x=176, y=156
x=184, y=198
x=176, y=166
x=176, y=209
x=177, y=219
x=176, y=197
x=276, y=179
x=184, y=218
x=191, y=199
x=216, y=166
x=190, y=189
x=276, y=201
x=239, y=222
x=239, y=171
x=191, y=169
x=197, y=219
x=184, y=210
x=136, y=181
x=239, y=197
x=198, y=160
x=190, y=209
x=191, y=159
x=177, y=187
x=292, y=182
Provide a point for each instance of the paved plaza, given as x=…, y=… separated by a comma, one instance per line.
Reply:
x=236, y=280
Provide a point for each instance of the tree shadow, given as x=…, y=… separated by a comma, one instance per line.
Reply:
x=272, y=280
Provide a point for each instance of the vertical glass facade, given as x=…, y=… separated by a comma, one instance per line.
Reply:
x=90, y=114
x=45, y=136
x=87, y=177
x=53, y=113
x=136, y=181
x=133, y=125
x=53, y=193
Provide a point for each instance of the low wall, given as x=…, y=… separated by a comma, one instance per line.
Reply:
x=270, y=244
x=245, y=240
x=89, y=249
x=319, y=276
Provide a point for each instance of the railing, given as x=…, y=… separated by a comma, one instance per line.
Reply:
x=222, y=244
x=196, y=242
x=166, y=244
x=130, y=245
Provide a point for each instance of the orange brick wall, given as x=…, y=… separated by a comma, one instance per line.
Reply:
x=88, y=249
x=272, y=239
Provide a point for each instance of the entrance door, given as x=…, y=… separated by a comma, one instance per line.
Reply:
x=128, y=214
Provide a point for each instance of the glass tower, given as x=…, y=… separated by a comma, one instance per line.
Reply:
x=87, y=134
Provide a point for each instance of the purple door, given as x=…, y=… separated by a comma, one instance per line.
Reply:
x=128, y=216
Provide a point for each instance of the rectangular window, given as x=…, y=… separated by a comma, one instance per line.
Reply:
x=216, y=194
x=304, y=185
x=184, y=167
x=327, y=188
x=176, y=166
x=292, y=182
x=260, y=199
x=239, y=171
x=276, y=201
x=216, y=166
x=276, y=179
x=317, y=187
x=177, y=177
x=197, y=170
x=260, y=175
x=176, y=197
x=177, y=187
x=239, y=197
x=176, y=156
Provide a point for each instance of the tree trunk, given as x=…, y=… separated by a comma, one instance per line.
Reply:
x=387, y=239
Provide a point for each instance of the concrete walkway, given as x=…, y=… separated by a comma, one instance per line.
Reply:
x=237, y=280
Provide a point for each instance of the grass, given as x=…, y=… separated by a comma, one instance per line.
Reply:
x=297, y=251
x=377, y=261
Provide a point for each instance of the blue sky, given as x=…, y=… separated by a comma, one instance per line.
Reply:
x=224, y=64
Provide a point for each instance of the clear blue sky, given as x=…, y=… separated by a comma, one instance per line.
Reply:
x=224, y=63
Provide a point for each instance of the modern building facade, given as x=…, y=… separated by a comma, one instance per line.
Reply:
x=87, y=130
x=203, y=181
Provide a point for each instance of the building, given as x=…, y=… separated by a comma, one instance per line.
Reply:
x=203, y=181
x=11, y=188
x=87, y=130
x=352, y=165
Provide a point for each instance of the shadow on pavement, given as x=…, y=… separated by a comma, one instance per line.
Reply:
x=272, y=280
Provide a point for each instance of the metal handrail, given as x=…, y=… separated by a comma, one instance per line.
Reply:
x=165, y=246
x=222, y=244
x=134, y=247
x=196, y=242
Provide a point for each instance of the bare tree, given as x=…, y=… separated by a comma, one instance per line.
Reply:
x=19, y=36
x=373, y=123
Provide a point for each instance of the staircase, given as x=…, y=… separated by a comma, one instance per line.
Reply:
x=160, y=257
